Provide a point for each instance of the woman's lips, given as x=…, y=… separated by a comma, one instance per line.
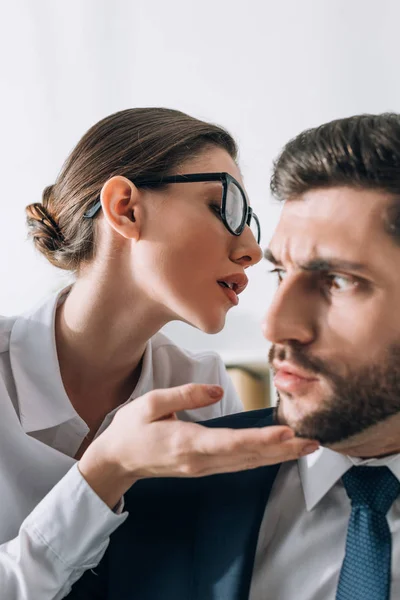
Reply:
x=286, y=381
x=233, y=297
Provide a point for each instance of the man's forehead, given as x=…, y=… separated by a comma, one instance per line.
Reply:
x=340, y=202
x=342, y=222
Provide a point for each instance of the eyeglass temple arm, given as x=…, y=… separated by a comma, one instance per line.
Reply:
x=89, y=214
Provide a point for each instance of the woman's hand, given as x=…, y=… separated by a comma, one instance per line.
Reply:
x=146, y=439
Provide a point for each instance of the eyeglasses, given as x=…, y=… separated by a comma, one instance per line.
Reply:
x=234, y=208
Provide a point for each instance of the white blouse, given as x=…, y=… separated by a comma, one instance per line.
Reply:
x=52, y=525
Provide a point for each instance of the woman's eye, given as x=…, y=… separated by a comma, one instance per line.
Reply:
x=217, y=209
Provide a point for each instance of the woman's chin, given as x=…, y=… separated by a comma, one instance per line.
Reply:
x=211, y=325
x=213, y=330
x=206, y=323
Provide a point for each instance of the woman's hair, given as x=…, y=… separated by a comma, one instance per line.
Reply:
x=137, y=142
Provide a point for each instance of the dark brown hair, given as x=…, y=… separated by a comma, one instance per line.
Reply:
x=361, y=151
x=134, y=143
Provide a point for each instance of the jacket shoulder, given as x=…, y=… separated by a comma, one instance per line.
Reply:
x=252, y=418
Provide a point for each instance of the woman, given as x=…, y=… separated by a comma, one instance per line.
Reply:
x=150, y=214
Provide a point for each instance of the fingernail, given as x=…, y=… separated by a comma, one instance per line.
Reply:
x=288, y=435
x=309, y=448
x=214, y=391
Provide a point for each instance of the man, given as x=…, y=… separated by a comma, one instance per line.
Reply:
x=293, y=532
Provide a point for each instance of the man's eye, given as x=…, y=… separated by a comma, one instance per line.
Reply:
x=340, y=283
x=279, y=274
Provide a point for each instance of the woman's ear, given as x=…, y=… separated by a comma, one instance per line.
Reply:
x=120, y=200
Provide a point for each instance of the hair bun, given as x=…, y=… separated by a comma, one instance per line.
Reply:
x=42, y=226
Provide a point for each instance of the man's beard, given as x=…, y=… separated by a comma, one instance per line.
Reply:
x=365, y=397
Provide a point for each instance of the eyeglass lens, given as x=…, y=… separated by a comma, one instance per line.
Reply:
x=235, y=207
x=255, y=229
x=236, y=211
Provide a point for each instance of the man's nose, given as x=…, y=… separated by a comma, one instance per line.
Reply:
x=291, y=316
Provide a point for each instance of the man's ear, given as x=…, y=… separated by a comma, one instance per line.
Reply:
x=120, y=200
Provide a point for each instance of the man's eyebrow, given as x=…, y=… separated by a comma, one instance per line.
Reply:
x=321, y=264
x=270, y=257
x=332, y=264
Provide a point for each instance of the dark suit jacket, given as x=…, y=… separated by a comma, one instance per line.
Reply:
x=188, y=539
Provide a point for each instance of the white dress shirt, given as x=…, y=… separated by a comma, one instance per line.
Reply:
x=52, y=525
x=302, y=539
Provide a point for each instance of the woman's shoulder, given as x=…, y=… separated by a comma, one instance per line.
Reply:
x=173, y=365
x=167, y=352
x=6, y=325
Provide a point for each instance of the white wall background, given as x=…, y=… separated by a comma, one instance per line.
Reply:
x=265, y=69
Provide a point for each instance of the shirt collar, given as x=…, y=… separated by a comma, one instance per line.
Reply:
x=392, y=462
x=42, y=399
x=320, y=471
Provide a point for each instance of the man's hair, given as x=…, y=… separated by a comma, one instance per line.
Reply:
x=359, y=152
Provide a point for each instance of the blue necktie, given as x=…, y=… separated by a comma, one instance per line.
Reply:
x=366, y=569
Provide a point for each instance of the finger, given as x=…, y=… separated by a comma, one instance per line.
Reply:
x=200, y=466
x=264, y=441
x=208, y=465
x=158, y=404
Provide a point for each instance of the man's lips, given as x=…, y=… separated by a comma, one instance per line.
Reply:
x=289, y=378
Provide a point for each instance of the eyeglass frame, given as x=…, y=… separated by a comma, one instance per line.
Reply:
x=225, y=179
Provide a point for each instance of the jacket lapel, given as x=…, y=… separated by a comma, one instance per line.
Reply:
x=192, y=539
x=232, y=508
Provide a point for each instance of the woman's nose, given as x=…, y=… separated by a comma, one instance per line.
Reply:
x=246, y=251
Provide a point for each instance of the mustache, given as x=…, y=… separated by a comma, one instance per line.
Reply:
x=294, y=353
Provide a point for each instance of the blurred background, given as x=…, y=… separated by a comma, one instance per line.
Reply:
x=264, y=69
